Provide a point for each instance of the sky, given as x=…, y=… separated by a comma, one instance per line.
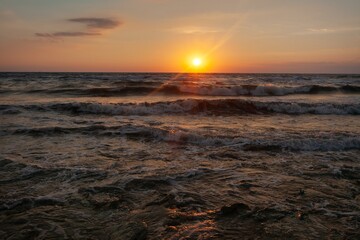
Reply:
x=260, y=36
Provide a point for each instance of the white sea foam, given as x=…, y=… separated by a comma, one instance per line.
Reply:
x=223, y=106
x=266, y=90
x=321, y=109
x=326, y=143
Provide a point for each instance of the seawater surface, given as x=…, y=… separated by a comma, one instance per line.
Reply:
x=179, y=156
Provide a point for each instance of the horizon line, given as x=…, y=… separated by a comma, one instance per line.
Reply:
x=156, y=72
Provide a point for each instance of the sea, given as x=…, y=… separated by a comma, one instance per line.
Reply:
x=179, y=156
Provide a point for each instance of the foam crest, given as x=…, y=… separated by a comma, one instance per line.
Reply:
x=218, y=107
x=266, y=90
x=193, y=106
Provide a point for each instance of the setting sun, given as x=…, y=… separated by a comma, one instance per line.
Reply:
x=197, y=62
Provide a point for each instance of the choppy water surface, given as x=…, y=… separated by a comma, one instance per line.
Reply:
x=166, y=156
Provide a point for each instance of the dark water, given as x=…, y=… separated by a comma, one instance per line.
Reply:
x=167, y=156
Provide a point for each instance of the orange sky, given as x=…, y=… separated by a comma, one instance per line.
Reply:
x=164, y=35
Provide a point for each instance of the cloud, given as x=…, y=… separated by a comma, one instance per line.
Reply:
x=7, y=15
x=93, y=25
x=321, y=30
x=328, y=30
x=98, y=23
x=195, y=30
x=67, y=34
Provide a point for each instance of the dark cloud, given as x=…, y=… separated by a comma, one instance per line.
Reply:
x=94, y=25
x=99, y=23
x=67, y=34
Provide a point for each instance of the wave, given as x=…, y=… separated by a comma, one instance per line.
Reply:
x=101, y=130
x=148, y=88
x=320, y=142
x=98, y=92
x=268, y=90
x=308, y=144
x=191, y=106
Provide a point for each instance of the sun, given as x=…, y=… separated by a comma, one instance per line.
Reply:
x=196, y=62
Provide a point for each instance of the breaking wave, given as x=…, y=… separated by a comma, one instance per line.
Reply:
x=268, y=90
x=191, y=106
x=322, y=142
x=238, y=90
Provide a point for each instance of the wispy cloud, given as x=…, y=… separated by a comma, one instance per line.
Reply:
x=320, y=30
x=6, y=15
x=194, y=30
x=94, y=27
x=329, y=30
x=99, y=23
x=67, y=34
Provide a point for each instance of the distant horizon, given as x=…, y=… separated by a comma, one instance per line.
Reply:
x=145, y=72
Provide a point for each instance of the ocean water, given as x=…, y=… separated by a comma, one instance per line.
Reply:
x=179, y=156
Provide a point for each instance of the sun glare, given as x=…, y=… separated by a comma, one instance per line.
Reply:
x=196, y=62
